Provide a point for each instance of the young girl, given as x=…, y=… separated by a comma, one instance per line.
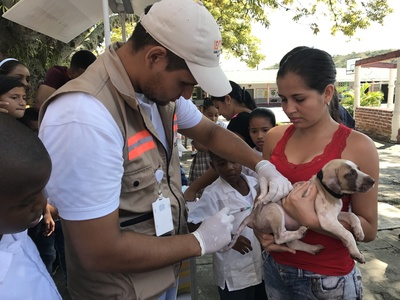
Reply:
x=12, y=96
x=201, y=160
x=261, y=120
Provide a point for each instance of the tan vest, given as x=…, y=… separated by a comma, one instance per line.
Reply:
x=143, y=154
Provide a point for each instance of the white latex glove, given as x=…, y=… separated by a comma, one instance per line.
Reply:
x=214, y=233
x=273, y=186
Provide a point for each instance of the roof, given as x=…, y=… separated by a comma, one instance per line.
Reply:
x=66, y=19
x=269, y=76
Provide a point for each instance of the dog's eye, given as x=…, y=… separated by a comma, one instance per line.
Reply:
x=352, y=173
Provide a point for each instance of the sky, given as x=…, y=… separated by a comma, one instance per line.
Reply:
x=284, y=34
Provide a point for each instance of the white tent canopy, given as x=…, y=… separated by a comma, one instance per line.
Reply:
x=65, y=19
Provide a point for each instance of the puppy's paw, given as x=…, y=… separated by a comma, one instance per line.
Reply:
x=302, y=230
x=358, y=257
x=316, y=249
x=358, y=233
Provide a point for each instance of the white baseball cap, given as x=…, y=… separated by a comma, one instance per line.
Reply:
x=187, y=28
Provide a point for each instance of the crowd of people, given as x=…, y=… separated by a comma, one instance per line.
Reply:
x=92, y=177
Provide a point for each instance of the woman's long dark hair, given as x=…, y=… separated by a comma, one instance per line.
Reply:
x=240, y=95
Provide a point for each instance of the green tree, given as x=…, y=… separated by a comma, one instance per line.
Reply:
x=234, y=16
x=367, y=98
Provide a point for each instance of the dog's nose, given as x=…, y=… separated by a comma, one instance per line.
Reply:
x=367, y=183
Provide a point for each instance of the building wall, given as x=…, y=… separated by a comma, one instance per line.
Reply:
x=375, y=122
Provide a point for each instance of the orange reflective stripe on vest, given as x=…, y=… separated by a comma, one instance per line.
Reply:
x=175, y=128
x=140, y=143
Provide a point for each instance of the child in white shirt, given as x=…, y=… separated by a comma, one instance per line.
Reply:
x=238, y=271
x=25, y=170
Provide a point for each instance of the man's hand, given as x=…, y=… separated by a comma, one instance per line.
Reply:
x=214, y=233
x=242, y=245
x=273, y=185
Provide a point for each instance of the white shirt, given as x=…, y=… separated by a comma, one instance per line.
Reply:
x=85, y=146
x=22, y=272
x=236, y=270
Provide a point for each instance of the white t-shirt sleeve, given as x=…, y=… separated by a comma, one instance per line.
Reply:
x=206, y=207
x=85, y=146
x=187, y=113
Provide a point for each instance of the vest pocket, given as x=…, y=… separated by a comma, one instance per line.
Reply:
x=139, y=180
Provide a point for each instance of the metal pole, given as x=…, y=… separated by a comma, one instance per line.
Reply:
x=106, y=22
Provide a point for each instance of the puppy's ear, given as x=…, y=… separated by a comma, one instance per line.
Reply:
x=333, y=183
x=330, y=179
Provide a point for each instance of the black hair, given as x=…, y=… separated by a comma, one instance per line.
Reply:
x=82, y=60
x=140, y=38
x=263, y=112
x=314, y=66
x=207, y=102
x=9, y=66
x=7, y=83
x=20, y=151
x=240, y=95
x=213, y=155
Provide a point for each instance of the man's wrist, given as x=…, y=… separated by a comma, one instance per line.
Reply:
x=262, y=163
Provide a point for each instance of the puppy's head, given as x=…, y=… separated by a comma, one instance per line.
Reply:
x=345, y=177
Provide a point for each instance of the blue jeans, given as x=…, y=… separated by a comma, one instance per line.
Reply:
x=288, y=283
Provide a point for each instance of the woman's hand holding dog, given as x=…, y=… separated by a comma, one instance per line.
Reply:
x=299, y=204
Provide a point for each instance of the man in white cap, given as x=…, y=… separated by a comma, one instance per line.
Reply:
x=111, y=134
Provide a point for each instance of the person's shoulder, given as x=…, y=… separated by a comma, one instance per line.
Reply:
x=57, y=69
x=358, y=139
x=277, y=131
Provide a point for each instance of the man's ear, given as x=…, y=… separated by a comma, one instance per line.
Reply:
x=156, y=55
x=228, y=99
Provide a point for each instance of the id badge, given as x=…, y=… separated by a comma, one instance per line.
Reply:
x=162, y=216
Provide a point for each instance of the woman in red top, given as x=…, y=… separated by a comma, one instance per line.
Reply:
x=305, y=80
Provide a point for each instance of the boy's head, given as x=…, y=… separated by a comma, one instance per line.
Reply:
x=227, y=170
x=25, y=168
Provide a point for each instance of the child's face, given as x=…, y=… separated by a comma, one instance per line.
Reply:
x=24, y=207
x=21, y=72
x=224, y=109
x=258, y=127
x=227, y=170
x=211, y=113
x=16, y=98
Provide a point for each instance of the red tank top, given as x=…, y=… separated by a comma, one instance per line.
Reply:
x=335, y=259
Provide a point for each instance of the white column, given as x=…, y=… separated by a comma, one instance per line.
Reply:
x=356, y=87
x=396, y=110
x=391, y=88
x=106, y=22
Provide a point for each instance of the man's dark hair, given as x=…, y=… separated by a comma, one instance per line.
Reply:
x=140, y=38
x=82, y=59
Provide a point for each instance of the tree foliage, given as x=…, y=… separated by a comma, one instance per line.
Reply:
x=367, y=98
x=235, y=18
